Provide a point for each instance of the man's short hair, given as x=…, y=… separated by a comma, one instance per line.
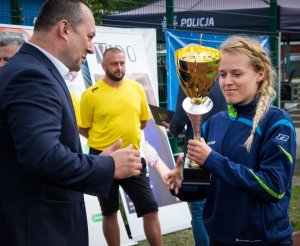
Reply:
x=112, y=49
x=54, y=11
x=7, y=38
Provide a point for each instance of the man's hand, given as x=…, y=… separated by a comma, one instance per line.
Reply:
x=108, y=151
x=127, y=162
x=173, y=179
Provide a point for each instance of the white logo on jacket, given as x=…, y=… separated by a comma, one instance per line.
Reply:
x=211, y=142
x=282, y=137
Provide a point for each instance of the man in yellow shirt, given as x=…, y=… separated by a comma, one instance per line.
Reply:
x=76, y=105
x=70, y=78
x=114, y=108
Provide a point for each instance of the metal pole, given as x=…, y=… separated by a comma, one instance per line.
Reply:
x=15, y=11
x=274, y=45
x=170, y=13
x=170, y=19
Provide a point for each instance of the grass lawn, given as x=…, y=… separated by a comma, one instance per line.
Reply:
x=295, y=207
x=185, y=237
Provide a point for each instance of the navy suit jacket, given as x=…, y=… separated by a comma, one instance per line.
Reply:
x=43, y=171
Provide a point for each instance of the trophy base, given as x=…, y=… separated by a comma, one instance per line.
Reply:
x=195, y=175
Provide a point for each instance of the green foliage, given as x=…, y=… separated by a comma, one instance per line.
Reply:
x=105, y=7
x=97, y=9
x=294, y=212
x=295, y=209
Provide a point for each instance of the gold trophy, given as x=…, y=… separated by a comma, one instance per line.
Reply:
x=197, y=69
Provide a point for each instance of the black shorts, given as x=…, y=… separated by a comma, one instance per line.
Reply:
x=137, y=188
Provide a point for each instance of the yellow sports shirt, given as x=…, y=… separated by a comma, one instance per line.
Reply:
x=76, y=105
x=113, y=113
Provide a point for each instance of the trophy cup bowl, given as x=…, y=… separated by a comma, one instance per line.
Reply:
x=197, y=69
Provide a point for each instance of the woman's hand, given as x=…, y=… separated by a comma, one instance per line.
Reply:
x=198, y=151
x=173, y=179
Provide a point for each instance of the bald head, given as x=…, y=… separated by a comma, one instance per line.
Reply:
x=54, y=11
x=65, y=29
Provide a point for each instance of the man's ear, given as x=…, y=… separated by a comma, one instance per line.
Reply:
x=64, y=28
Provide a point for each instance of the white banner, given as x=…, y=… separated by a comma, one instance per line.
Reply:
x=138, y=46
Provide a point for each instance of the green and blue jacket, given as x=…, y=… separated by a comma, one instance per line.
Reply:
x=248, y=199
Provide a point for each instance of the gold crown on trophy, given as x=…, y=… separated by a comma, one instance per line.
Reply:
x=197, y=69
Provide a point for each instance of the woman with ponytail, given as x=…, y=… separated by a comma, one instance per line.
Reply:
x=250, y=150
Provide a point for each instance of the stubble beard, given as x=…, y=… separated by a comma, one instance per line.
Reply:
x=115, y=78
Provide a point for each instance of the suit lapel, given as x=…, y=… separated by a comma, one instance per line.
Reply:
x=31, y=50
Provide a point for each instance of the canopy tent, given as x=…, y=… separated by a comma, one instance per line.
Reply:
x=215, y=16
x=252, y=17
x=289, y=20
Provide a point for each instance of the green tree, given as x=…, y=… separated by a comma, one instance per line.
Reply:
x=105, y=7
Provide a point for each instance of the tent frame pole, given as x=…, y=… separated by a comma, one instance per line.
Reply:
x=274, y=46
x=170, y=13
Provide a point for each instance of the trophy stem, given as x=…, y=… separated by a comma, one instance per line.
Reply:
x=195, y=112
x=196, y=125
x=196, y=121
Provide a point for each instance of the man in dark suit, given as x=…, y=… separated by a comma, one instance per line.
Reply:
x=43, y=171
